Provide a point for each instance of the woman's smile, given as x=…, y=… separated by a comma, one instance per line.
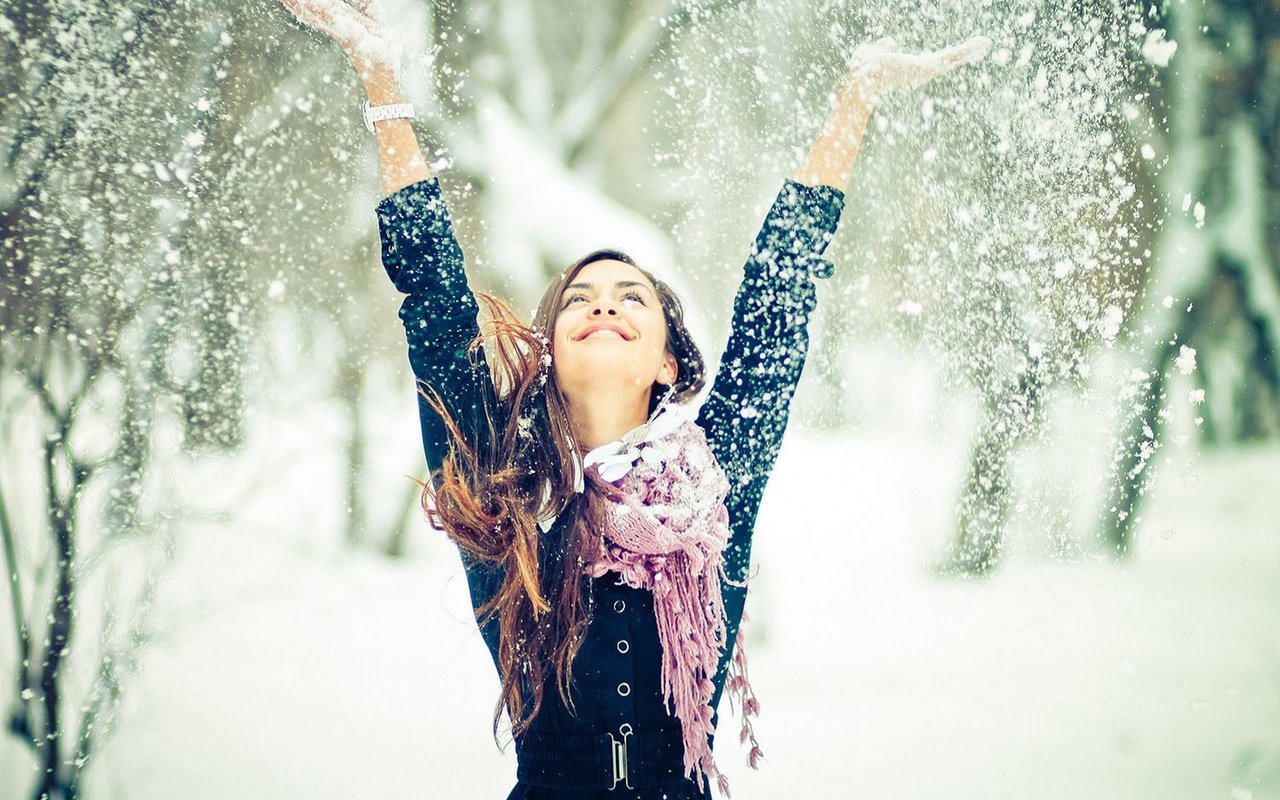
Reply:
x=602, y=329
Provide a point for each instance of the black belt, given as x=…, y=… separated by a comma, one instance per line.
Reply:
x=626, y=760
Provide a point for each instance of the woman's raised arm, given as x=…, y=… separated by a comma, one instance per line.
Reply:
x=420, y=251
x=746, y=412
x=360, y=32
x=874, y=69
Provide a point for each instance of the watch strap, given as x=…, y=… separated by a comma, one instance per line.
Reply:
x=374, y=113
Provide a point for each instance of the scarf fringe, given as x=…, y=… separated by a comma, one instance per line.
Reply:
x=739, y=685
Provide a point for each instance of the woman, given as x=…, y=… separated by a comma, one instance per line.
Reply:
x=604, y=520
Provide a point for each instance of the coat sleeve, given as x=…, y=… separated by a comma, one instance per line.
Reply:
x=424, y=261
x=746, y=411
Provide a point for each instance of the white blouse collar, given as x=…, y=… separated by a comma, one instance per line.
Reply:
x=613, y=460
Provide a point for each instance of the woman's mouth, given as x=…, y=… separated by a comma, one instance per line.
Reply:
x=606, y=331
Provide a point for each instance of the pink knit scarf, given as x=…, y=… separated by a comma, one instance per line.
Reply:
x=666, y=530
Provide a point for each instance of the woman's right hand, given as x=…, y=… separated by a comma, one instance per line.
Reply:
x=877, y=68
x=358, y=30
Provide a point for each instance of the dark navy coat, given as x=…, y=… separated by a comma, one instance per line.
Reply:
x=616, y=685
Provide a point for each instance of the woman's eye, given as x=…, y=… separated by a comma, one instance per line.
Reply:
x=636, y=296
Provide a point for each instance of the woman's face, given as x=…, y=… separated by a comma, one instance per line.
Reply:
x=610, y=333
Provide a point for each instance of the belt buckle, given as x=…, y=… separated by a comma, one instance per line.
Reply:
x=619, y=753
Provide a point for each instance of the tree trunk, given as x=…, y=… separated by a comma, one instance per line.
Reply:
x=350, y=385
x=1222, y=115
x=1009, y=419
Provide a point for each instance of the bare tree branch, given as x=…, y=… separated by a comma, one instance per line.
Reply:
x=19, y=611
x=121, y=661
x=530, y=76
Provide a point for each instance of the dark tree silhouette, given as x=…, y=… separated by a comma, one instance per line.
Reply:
x=1223, y=99
x=104, y=284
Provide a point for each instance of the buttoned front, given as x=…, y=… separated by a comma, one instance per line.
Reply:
x=620, y=742
x=617, y=682
x=616, y=690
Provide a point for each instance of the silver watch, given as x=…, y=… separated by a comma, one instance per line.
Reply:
x=374, y=114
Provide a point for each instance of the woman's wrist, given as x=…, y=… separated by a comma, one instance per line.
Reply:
x=381, y=86
x=859, y=87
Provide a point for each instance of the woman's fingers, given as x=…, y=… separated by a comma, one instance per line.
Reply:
x=372, y=10
x=944, y=60
x=967, y=52
x=905, y=70
x=355, y=29
x=307, y=16
x=333, y=18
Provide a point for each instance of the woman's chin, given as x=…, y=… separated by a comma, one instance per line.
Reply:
x=591, y=375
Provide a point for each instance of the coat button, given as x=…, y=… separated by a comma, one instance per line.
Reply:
x=623, y=646
x=624, y=689
x=619, y=606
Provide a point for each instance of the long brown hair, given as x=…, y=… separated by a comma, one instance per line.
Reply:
x=488, y=494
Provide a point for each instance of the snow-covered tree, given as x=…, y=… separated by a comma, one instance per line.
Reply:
x=1211, y=307
x=116, y=314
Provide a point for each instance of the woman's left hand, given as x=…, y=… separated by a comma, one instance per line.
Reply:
x=360, y=31
x=878, y=67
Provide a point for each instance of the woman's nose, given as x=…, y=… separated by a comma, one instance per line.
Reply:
x=603, y=306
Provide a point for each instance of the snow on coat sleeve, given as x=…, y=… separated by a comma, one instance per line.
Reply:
x=424, y=261
x=746, y=411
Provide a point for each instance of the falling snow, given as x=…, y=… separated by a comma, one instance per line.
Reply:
x=1051, y=326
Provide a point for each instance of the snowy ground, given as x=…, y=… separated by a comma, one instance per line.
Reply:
x=289, y=668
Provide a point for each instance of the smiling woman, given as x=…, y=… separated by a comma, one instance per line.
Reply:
x=603, y=515
x=607, y=538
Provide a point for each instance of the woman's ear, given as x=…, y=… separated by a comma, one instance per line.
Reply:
x=667, y=375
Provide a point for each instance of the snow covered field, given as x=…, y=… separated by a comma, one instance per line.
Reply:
x=288, y=668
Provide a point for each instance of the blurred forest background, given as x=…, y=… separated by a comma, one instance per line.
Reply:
x=1058, y=265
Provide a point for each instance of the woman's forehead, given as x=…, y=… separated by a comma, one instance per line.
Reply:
x=607, y=272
